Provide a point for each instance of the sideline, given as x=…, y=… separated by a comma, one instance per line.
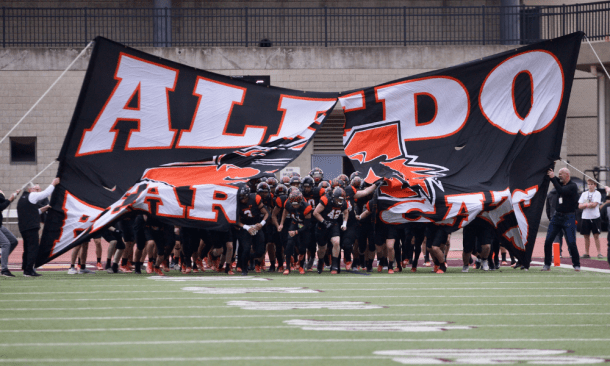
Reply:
x=567, y=266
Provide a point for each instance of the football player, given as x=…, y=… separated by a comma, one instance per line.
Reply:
x=327, y=214
x=250, y=222
x=298, y=231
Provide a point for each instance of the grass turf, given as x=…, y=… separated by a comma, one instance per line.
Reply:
x=113, y=319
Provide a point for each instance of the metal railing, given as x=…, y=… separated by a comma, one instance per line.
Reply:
x=326, y=26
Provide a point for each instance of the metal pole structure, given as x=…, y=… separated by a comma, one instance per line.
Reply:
x=85, y=13
x=162, y=23
x=246, y=23
x=404, y=28
x=325, y=26
x=601, y=121
x=3, y=27
x=601, y=112
x=483, y=22
x=509, y=22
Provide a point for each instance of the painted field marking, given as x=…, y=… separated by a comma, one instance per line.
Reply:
x=454, y=288
x=321, y=288
x=306, y=340
x=488, y=356
x=375, y=326
x=156, y=360
x=119, y=308
x=331, y=305
x=144, y=317
x=216, y=278
x=262, y=298
x=247, y=290
x=76, y=330
x=142, y=329
x=90, y=282
x=582, y=359
x=299, y=298
x=567, y=266
x=93, y=308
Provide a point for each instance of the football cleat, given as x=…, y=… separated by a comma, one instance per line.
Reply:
x=124, y=269
x=301, y=270
x=286, y=272
x=149, y=267
x=348, y=266
x=390, y=271
x=159, y=272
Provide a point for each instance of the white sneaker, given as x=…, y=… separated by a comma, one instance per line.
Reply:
x=85, y=271
x=72, y=270
x=485, y=265
x=465, y=269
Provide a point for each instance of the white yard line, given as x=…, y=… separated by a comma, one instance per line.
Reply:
x=410, y=283
x=301, y=340
x=77, y=330
x=254, y=297
x=70, y=280
x=321, y=288
x=436, y=315
x=569, y=266
x=156, y=360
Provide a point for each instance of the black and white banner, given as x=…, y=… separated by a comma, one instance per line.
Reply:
x=137, y=113
x=472, y=139
x=160, y=137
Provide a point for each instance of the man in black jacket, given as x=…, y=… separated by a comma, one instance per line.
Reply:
x=551, y=201
x=564, y=218
x=8, y=242
x=29, y=223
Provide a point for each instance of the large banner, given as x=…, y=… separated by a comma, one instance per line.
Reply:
x=137, y=113
x=473, y=139
x=156, y=136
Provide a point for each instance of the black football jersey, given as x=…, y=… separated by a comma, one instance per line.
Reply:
x=298, y=214
x=249, y=214
x=331, y=211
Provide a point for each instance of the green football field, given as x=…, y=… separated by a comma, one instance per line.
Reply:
x=507, y=316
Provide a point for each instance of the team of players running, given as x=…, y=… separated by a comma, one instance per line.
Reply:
x=291, y=222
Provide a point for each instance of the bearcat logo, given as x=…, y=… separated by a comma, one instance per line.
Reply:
x=379, y=149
